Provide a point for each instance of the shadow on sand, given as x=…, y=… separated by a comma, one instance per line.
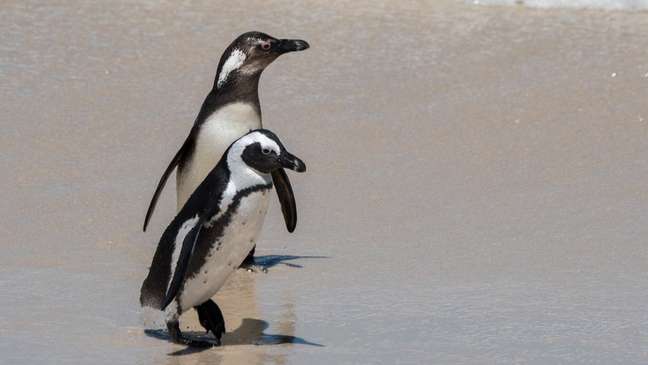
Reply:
x=249, y=333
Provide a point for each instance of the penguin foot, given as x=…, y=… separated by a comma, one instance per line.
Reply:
x=177, y=337
x=211, y=318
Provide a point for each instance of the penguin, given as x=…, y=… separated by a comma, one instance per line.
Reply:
x=213, y=233
x=230, y=110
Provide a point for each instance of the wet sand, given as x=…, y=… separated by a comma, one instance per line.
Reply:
x=476, y=190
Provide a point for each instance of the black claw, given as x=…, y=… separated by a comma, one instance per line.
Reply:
x=211, y=318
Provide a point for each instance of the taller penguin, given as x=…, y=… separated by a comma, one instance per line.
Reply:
x=230, y=110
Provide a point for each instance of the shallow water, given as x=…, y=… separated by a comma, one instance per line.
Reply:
x=476, y=190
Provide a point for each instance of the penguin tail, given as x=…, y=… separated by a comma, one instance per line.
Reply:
x=152, y=293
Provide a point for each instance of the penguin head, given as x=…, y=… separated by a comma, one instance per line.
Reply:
x=262, y=150
x=250, y=53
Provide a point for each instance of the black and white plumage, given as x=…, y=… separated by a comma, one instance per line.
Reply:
x=214, y=231
x=230, y=110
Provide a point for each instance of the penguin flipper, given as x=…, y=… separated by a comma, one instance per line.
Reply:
x=286, y=198
x=183, y=262
x=165, y=176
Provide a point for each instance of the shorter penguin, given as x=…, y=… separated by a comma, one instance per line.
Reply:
x=213, y=233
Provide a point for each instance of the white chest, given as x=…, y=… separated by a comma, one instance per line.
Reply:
x=223, y=127
x=229, y=251
x=220, y=130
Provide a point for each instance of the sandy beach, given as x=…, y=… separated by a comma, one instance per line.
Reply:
x=476, y=189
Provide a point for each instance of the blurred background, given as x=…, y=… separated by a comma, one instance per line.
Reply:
x=476, y=190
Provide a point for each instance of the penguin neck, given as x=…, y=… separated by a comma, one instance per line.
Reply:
x=244, y=89
x=243, y=176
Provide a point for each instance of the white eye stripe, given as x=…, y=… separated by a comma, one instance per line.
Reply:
x=268, y=144
x=257, y=137
x=264, y=141
x=233, y=62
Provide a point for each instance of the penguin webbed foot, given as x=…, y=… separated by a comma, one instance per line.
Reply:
x=211, y=318
x=177, y=337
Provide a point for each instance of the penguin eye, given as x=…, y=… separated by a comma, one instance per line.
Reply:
x=265, y=46
x=265, y=151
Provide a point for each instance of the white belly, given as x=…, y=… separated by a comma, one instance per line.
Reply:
x=222, y=260
x=220, y=130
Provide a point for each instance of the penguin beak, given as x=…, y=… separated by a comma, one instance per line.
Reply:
x=290, y=45
x=289, y=161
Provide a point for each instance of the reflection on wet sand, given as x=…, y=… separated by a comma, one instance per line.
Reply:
x=238, y=301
